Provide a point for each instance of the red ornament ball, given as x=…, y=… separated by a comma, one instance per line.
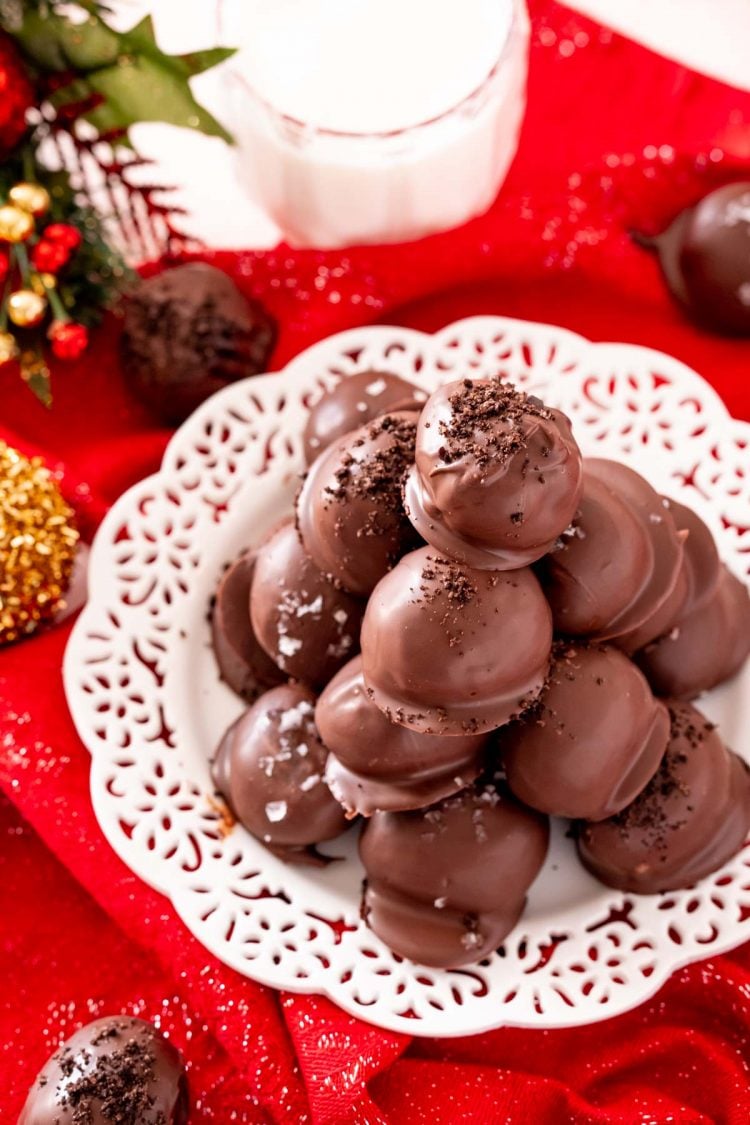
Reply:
x=49, y=257
x=16, y=96
x=63, y=234
x=4, y=267
x=69, y=340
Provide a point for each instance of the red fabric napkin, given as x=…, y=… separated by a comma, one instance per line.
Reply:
x=616, y=138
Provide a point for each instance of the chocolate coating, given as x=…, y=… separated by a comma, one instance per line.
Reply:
x=497, y=475
x=705, y=259
x=376, y=764
x=243, y=664
x=617, y=574
x=691, y=818
x=355, y=400
x=349, y=511
x=115, y=1071
x=706, y=646
x=187, y=333
x=307, y=626
x=451, y=650
x=269, y=768
x=592, y=741
x=445, y=885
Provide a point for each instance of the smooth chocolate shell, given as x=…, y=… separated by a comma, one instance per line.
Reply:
x=451, y=650
x=705, y=647
x=349, y=511
x=446, y=885
x=307, y=626
x=355, y=400
x=692, y=817
x=269, y=768
x=705, y=259
x=376, y=764
x=497, y=475
x=114, y=1069
x=187, y=333
x=592, y=741
x=243, y=664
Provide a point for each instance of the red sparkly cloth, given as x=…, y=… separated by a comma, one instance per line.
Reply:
x=615, y=139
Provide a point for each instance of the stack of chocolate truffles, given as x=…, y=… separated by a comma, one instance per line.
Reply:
x=467, y=628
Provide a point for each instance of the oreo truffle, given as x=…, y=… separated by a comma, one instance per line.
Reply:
x=243, y=664
x=593, y=739
x=445, y=885
x=375, y=764
x=497, y=476
x=269, y=768
x=617, y=573
x=187, y=333
x=349, y=511
x=305, y=624
x=707, y=645
x=691, y=818
x=705, y=258
x=115, y=1070
x=452, y=651
x=355, y=400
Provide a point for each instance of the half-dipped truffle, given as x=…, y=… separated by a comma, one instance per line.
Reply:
x=269, y=768
x=593, y=739
x=689, y=820
x=116, y=1069
x=445, y=885
x=451, y=650
x=243, y=663
x=497, y=476
x=350, y=513
x=617, y=572
x=306, y=625
x=355, y=400
x=376, y=764
x=706, y=645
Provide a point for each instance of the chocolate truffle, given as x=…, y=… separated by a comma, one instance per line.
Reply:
x=307, y=626
x=115, y=1071
x=187, y=333
x=706, y=646
x=243, y=664
x=617, y=573
x=445, y=885
x=691, y=818
x=349, y=512
x=705, y=259
x=269, y=768
x=355, y=400
x=592, y=740
x=376, y=764
x=497, y=475
x=451, y=650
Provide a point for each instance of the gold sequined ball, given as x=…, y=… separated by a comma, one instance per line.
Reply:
x=37, y=544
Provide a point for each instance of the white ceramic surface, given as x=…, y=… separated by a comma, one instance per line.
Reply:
x=147, y=701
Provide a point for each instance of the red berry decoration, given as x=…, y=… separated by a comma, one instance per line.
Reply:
x=4, y=267
x=49, y=257
x=64, y=235
x=16, y=96
x=69, y=340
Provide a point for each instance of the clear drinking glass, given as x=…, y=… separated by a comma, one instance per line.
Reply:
x=328, y=188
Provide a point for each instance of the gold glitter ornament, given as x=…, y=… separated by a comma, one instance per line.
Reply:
x=26, y=308
x=32, y=198
x=8, y=348
x=15, y=225
x=37, y=544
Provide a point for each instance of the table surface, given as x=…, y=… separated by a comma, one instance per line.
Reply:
x=709, y=35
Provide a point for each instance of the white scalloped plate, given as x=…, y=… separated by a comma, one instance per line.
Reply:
x=147, y=701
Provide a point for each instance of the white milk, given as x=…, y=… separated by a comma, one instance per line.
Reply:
x=375, y=120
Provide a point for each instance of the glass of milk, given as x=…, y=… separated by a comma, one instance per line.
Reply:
x=361, y=121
